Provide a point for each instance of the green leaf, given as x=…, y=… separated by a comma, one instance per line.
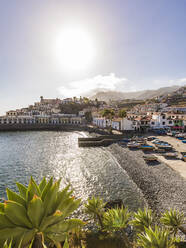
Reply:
x=36, y=186
x=15, y=197
x=56, y=237
x=51, y=220
x=50, y=199
x=35, y=210
x=17, y=214
x=46, y=189
x=2, y=206
x=22, y=189
x=5, y=222
x=65, y=226
x=66, y=245
x=7, y=233
x=42, y=184
x=32, y=190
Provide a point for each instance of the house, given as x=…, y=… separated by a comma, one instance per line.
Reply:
x=116, y=123
x=127, y=124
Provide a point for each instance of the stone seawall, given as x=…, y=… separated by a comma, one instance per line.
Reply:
x=42, y=127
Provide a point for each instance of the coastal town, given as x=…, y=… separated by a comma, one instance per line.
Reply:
x=162, y=113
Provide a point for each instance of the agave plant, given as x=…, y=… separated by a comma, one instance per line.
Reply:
x=157, y=238
x=6, y=245
x=95, y=208
x=173, y=219
x=38, y=213
x=142, y=218
x=117, y=220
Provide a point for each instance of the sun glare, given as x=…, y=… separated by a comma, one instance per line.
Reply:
x=75, y=49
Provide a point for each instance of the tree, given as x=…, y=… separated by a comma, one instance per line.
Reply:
x=37, y=213
x=88, y=116
x=122, y=113
x=108, y=113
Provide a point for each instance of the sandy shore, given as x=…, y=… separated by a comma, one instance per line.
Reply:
x=163, y=187
x=176, y=164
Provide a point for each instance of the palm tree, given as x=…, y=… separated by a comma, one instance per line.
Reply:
x=38, y=213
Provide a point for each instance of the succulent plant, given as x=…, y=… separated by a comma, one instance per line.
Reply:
x=37, y=213
x=157, y=238
x=95, y=208
x=142, y=218
x=173, y=219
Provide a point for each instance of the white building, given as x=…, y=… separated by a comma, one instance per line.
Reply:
x=159, y=121
x=127, y=124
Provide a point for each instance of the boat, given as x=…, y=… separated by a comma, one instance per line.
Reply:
x=164, y=146
x=149, y=158
x=133, y=145
x=170, y=155
x=183, y=156
x=126, y=140
x=147, y=147
x=150, y=138
x=160, y=150
x=169, y=134
x=181, y=138
x=184, y=141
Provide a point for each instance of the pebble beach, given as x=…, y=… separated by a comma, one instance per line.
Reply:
x=162, y=187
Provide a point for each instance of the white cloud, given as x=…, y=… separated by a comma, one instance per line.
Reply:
x=87, y=86
x=182, y=80
x=170, y=82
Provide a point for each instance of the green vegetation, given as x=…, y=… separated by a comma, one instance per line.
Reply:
x=122, y=113
x=108, y=113
x=38, y=213
x=38, y=217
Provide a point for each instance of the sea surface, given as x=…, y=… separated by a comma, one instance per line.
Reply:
x=90, y=171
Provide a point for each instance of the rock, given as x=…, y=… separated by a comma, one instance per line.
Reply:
x=118, y=203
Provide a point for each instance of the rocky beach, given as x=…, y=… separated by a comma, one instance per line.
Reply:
x=162, y=187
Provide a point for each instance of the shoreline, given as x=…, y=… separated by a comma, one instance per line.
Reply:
x=162, y=187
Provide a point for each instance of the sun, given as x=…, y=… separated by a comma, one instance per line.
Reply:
x=75, y=49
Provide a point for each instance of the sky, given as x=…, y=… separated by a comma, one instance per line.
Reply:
x=127, y=45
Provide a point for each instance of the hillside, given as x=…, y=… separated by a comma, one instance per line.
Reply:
x=140, y=95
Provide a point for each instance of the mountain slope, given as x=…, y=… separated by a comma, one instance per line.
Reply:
x=140, y=95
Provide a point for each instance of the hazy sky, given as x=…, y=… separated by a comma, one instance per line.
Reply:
x=138, y=44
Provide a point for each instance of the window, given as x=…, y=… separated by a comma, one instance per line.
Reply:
x=163, y=123
x=152, y=123
x=163, y=117
x=170, y=122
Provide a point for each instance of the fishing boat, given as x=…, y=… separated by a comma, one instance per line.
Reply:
x=150, y=138
x=183, y=156
x=160, y=150
x=133, y=145
x=147, y=147
x=164, y=146
x=184, y=141
x=149, y=158
x=170, y=155
x=126, y=140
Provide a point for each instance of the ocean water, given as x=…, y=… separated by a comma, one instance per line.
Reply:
x=90, y=171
